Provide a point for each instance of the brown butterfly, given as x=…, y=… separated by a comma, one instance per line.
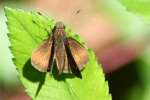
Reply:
x=70, y=56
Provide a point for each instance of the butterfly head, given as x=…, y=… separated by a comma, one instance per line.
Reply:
x=59, y=25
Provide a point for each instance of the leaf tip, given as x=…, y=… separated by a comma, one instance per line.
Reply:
x=7, y=9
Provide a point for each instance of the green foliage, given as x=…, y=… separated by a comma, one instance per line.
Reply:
x=140, y=7
x=144, y=68
x=7, y=69
x=25, y=36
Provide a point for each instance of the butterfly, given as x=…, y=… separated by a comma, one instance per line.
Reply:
x=68, y=54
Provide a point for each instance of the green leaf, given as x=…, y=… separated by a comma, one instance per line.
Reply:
x=24, y=37
x=140, y=7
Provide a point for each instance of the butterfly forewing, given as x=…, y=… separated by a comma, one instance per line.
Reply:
x=78, y=52
x=41, y=56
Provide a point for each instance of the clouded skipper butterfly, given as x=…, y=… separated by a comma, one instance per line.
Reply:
x=70, y=56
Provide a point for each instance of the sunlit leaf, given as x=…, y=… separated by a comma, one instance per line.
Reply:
x=25, y=36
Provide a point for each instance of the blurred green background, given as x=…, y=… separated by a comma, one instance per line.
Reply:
x=8, y=72
x=117, y=30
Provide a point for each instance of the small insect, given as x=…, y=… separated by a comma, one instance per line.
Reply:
x=78, y=11
x=68, y=54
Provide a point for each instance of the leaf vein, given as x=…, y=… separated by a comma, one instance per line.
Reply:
x=35, y=41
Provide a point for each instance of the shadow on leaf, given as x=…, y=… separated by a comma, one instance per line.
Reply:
x=61, y=77
x=33, y=75
x=30, y=73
